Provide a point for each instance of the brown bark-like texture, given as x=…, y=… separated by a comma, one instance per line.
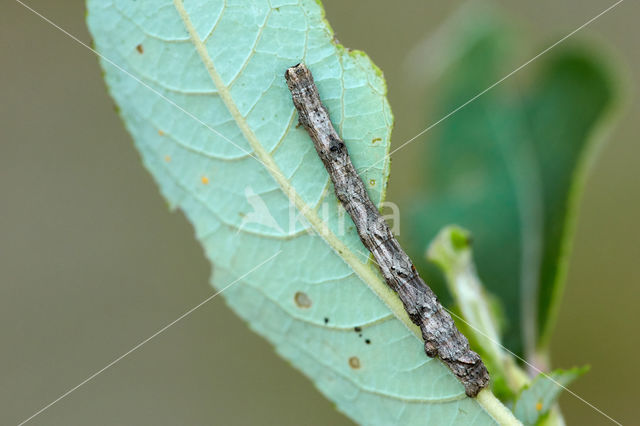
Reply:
x=441, y=337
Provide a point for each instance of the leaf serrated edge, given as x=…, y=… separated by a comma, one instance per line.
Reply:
x=364, y=270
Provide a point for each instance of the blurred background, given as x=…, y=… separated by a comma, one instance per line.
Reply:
x=92, y=261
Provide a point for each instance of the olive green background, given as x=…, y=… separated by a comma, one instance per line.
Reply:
x=92, y=262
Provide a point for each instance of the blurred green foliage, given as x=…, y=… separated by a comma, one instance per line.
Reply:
x=509, y=166
x=533, y=401
x=475, y=310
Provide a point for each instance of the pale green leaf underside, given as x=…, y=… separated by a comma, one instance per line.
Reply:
x=224, y=62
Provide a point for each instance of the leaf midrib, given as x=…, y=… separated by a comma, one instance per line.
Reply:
x=366, y=273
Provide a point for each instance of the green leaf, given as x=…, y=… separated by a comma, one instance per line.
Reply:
x=509, y=167
x=535, y=401
x=574, y=97
x=213, y=120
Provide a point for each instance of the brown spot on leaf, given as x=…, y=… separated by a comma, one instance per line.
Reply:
x=204, y=180
x=140, y=49
x=302, y=300
x=539, y=406
x=354, y=362
x=167, y=158
x=374, y=140
x=160, y=132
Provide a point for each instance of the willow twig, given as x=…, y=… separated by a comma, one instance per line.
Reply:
x=441, y=337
